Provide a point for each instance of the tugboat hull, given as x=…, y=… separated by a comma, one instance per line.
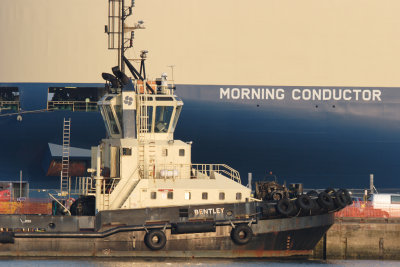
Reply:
x=287, y=237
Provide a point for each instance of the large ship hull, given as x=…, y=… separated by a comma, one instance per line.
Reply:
x=322, y=143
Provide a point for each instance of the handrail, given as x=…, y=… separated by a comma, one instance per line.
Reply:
x=76, y=105
x=219, y=168
x=192, y=170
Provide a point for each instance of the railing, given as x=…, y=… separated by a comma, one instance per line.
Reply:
x=218, y=168
x=73, y=105
x=84, y=185
x=9, y=106
x=196, y=171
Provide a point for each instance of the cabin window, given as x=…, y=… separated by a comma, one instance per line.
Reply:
x=170, y=195
x=165, y=152
x=111, y=120
x=126, y=151
x=204, y=195
x=153, y=195
x=221, y=195
x=118, y=111
x=238, y=196
x=163, y=98
x=181, y=152
x=163, y=118
x=188, y=195
x=103, y=114
x=176, y=117
x=395, y=199
x=9, y=99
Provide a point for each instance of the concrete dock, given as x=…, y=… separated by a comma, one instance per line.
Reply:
x=361, y=238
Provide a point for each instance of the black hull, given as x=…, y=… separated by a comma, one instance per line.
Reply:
x=288, y=237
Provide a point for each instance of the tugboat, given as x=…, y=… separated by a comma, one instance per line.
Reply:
x=146, y=198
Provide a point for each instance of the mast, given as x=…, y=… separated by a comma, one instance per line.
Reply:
x=115, y=29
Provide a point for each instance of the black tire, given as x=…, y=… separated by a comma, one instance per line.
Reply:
x=276, y=196
x=312, y=193
x=325, y=201
x=304, y=202
x=84, y=206
x=349, y=200
x=330, y=191
x=155, y=239
x=340, y=199
x=284, y=207
x=241, y=234
x=295, y=210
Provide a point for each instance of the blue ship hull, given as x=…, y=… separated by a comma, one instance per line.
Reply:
x=331, y=142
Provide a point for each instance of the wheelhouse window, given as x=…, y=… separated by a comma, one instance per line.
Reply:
x=118, y=111
x=163, y=118
x=111, y=120
x=149, y=114
x=176, y=117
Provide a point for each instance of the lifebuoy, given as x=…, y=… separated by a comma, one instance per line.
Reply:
x=304, y=202
x=340, y=199
x=241, y=234
x=284, y=207
x=349, y=200
x=325, y=201
x=155, y=239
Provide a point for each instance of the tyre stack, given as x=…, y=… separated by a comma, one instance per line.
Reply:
x=314, y=203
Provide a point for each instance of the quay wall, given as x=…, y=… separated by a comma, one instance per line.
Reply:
x=361, y=238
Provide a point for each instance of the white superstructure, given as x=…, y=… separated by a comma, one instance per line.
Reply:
x=141, y=165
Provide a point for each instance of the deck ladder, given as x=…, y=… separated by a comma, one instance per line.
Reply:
x=65, y=157
x=146, y=140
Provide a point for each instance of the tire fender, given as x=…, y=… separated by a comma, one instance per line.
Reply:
x=340, y=199
x=304, y=202
x=284, y=207
x=241, y=234
x=325, y=201
x=155, y=239
x=349, y=201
